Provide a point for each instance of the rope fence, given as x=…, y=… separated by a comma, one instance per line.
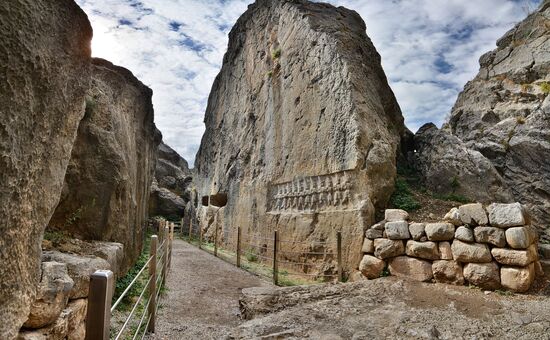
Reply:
x=101, y=308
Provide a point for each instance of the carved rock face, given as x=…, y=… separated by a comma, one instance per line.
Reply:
x=302, y=128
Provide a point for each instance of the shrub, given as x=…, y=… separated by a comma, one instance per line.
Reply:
x=545, y=87
x=402, y=197
x=269, y=74
x=251, y=257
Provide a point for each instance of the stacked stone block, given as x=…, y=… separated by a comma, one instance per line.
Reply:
x=492, y=247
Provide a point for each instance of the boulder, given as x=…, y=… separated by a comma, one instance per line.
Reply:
x=371, y=266
x=166, y=203
x=79, y=268
x=373, y=234
x=52, y=295
x=445, y=251
x=483, y=275
x=440, y=231
x=506, y=215
x=491, y=235
x=368, y=246
x=448, y=272
x=384, y=248
x=398, y=230
x=520, y=237
x=470, y=252
x=76, y=317
x=473, y=214
x=520, y=258
x=518, y=279
x=411, y=268
x=464, y=234
x=417, y=231
x=56, y=331
x=424, y=250
x=395, y=215
x=453, y=216
x=45, y=64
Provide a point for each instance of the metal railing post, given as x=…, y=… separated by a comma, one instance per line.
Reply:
x=275, y=264
x=151, y=311
x=165, y=262
x=98, y=316
x=216, y=240
x=339, y=256
x=239, y=247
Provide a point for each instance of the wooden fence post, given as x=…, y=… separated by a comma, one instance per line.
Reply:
x=339, y=255
x=171, y=244
x=200, y=236
x=98, y=316
x=216, y=240
x=190, y=227
x=165, y=263
x=275, y=263
x=239, y=247
x=151, y=310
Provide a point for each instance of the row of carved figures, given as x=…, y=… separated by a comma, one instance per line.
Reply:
x=313, y=192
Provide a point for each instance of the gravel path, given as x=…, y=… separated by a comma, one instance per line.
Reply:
x=202, y=301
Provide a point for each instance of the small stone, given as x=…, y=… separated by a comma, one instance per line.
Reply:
x=511, y=257
x=384, y=248
x=417, y=231
x=448, y=272
x=368, y=246
x=453, y=216
x=473, y=214
x=392, y=215
x=374, y=233
x=483, y=275
x=491, y=235
x=518, y=279
x=409, y=267
x=471, y=252
x=506, y=215
x=424, y=250
x=357, y=276
x=520, y=237
x=379, y=226
x=464, y=234
x=445, y=251
x=440, y=231
x=397, y=230
x=371, y=266
x=544, y=250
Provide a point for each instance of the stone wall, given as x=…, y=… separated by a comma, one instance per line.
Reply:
x=492, y=247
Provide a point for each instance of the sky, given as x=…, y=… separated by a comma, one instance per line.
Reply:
x=429, y=49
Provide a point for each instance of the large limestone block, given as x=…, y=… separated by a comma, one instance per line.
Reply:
x=384, y=248
x=44, y=76
x=56, y=331
x=80, y=267
x=52, y=295
x=112, y=163
x=398, y=230
x=506, y=215
x=520, y=237
x=464, y=234
x=440, y=231
x=491, y=235
x=483, y=275
x=418, y=232
x=448, y=272
x=470, y=252
x=424, y=250
x=520, y=258
x=518, y=279
x=453, y=216
x=394, y=215
x=288, y=144
x=473, y=214
x=371, y=266
x=368, y=246
x=76, y=317
x=411, y=268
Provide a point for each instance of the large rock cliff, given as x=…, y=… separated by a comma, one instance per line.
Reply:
x=302, y=129
x=106, y=191
x=504, y=114
x=44, y=76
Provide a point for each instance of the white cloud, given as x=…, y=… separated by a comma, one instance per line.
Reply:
x=429, y=49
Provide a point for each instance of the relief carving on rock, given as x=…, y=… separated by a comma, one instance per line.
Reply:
x=311, y=193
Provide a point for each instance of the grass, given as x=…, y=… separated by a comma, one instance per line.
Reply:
x=544, y=87
x=402, y=197
x=520, y=120
x=55, y=236
x=276, y=54
x=269, y=74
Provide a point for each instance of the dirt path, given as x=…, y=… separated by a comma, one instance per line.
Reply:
x=202, y=301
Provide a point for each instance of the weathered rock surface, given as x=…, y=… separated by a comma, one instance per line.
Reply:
x=164, y=202
x=411, y=268
x=384, y=248
x=440, y=231
x=445, y=251
x=520, y=237
x=298, y=75
x=368, y=246
x=491, y=235
x=448, y=272
x=418, y=231
x=518, y=279
x=513, y=257
x=470, y=252
x=424, y=250
x=44, y=76
x=371, y=266
x=106, y=191
x=398, y=230
x=506, y=215
x=483, y=275
x=395, y=215
x=473, y=214
x=464, y=234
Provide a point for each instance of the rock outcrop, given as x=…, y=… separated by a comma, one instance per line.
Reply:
x=502, y=116
x=302, y=130
x=44, y=77
x=171, y=189
x=106, y=191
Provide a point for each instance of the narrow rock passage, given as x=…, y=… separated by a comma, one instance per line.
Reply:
x=202, y=301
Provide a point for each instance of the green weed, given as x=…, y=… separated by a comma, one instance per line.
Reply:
x=402, y=197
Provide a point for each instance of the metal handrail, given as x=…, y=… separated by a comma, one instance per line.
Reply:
x=122, y=329
x=130, y=285
x=142, y=318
